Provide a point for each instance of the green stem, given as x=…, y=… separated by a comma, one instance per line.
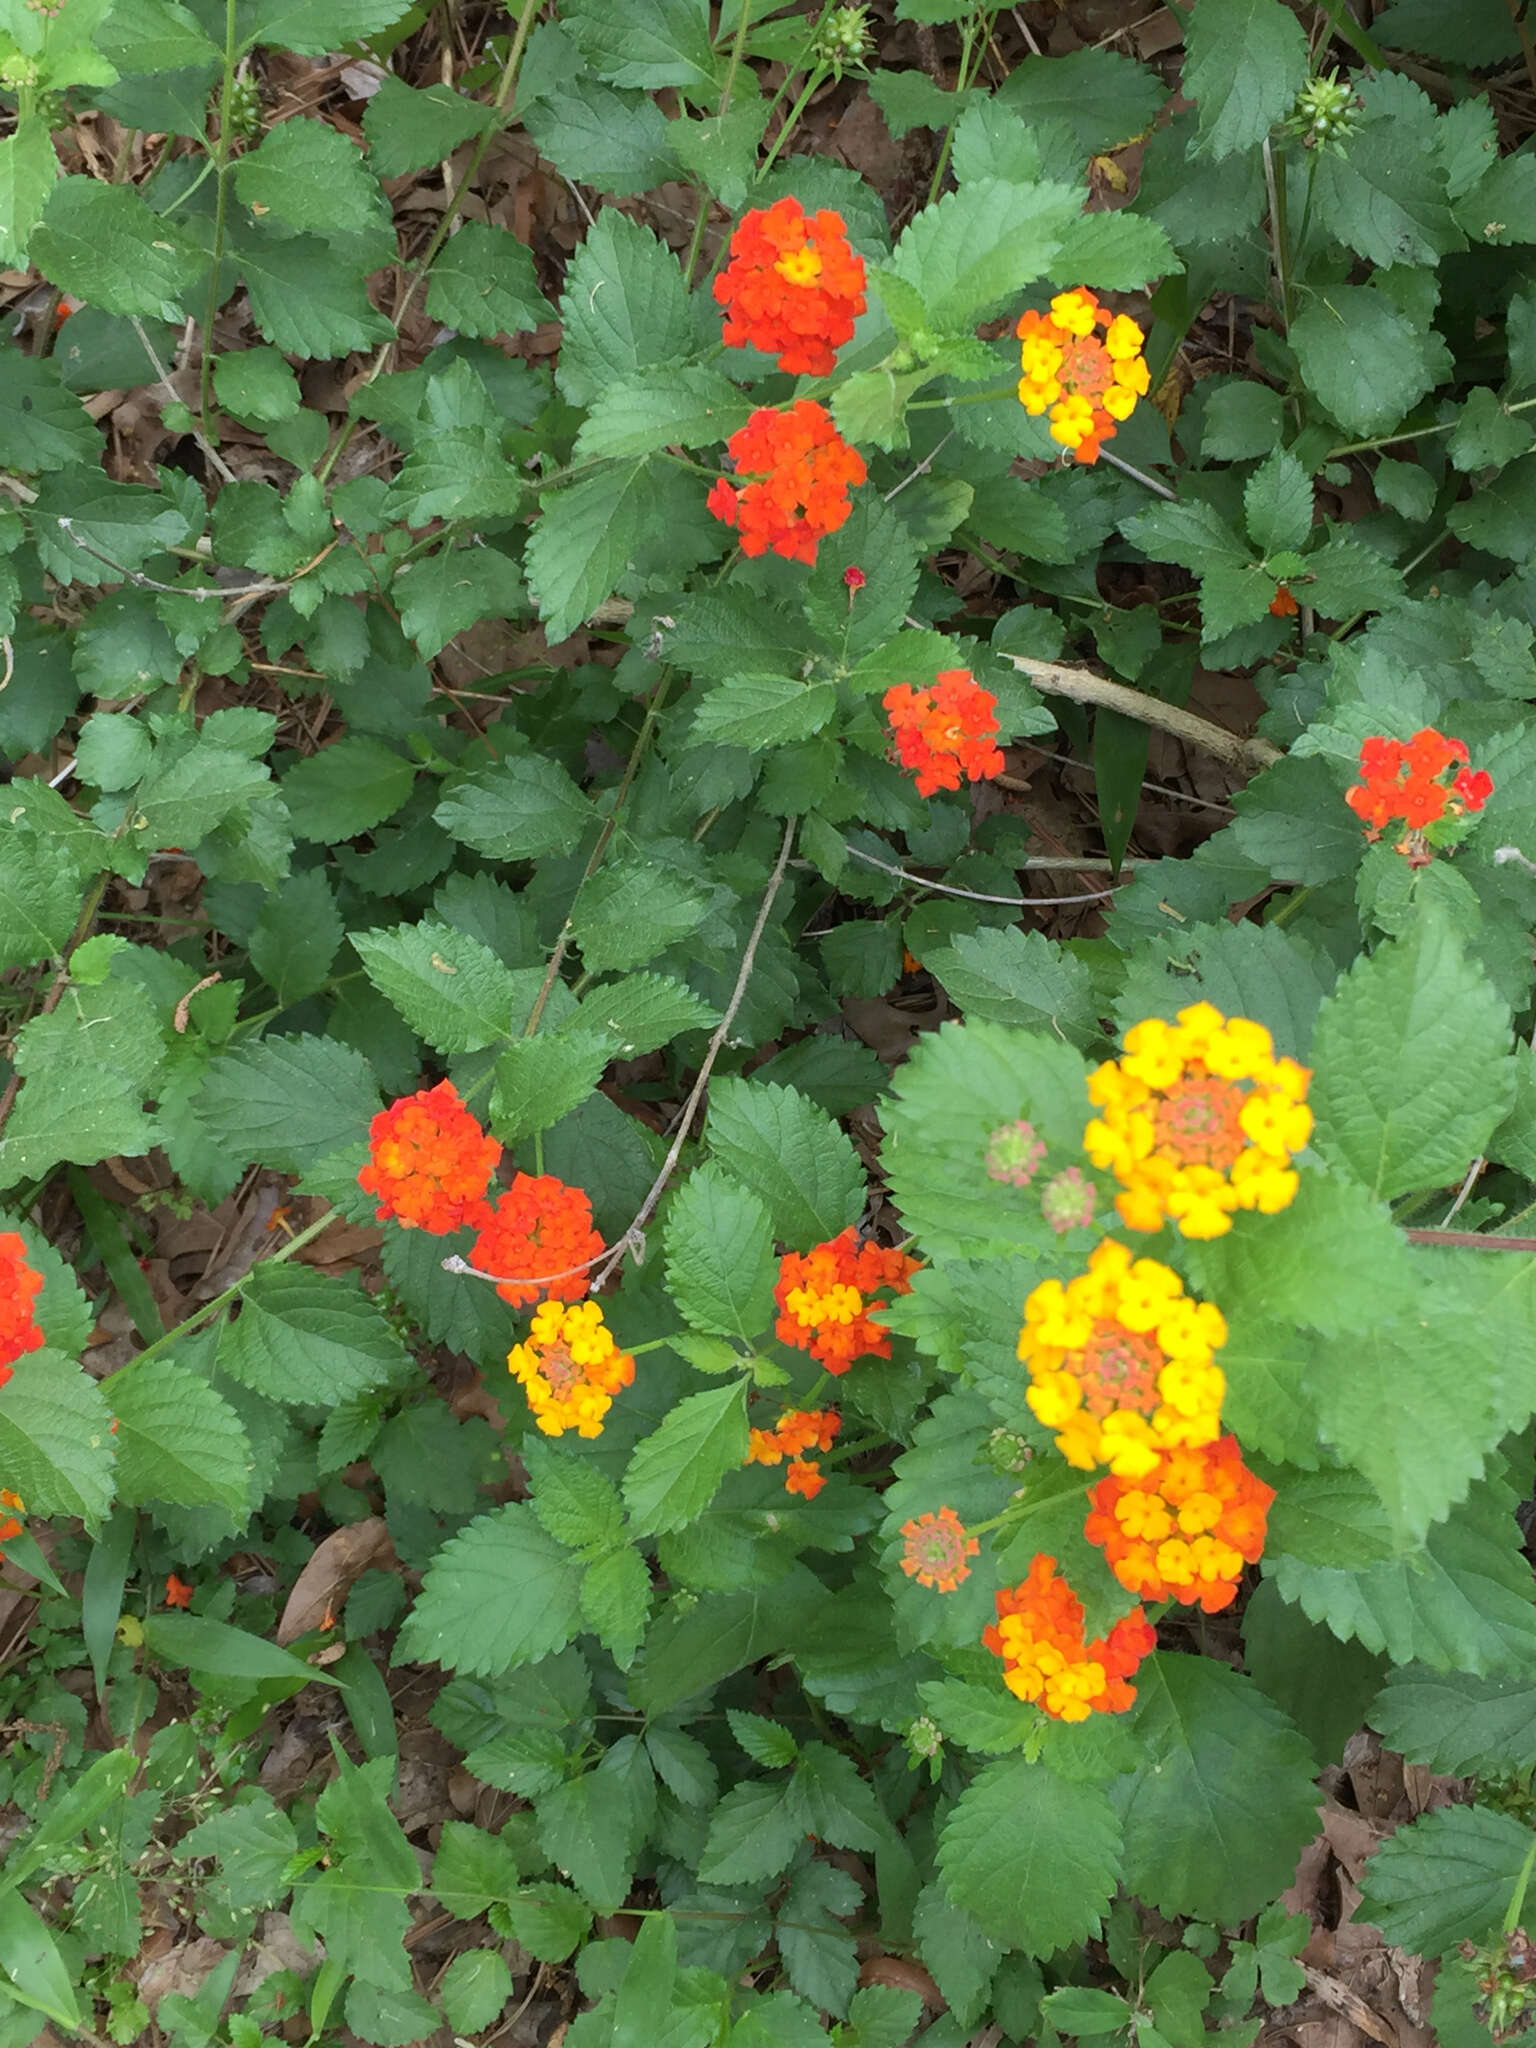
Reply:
x=970, y=42
x=221, y=210
x=1343, y=23
x=738, y=44
x=1412, y=434
x=1306, y=204
x=210, y=1309
x=1517, y=1897
x=813, y=84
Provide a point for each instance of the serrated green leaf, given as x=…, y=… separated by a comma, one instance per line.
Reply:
x=631, y=910
x=689, y=404
x=1118, y=252
x=1032, y=1858
x=780, y=1145
x=617, y=142
x=647, y=43
x=1362, y=358
x=974, y=248
x=1456, y=1723
x=1385, y=197
x=1102, y=97
x=311, y=177
x=289, y=1102
x=1012, y=976
x=616, y=1595
x=762, y=711
x=42, y=426
x=55, y=1440
x=314, y=26
x=1277, y=503
x=450, y=989
x=304, y=300
x=584, y=541
x=1332, y=1261
x=484, y=284
x=452, y=589
x=674, y=1473
x=308, y=1336
x=501, y=1593
x=103, y=243
x=407, y=127
x=624, y=308
x=548, y=1919
x=1446, y=1878
x=39, y=901
x=475, y=1987
x=347, y=788
x=29, y=170
x=1245, y=62
x=752, y=1835
x=720, y=1263
x=177, y=1439
x=645, y=1011
x=521, y=809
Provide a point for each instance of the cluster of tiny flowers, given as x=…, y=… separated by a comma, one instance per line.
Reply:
x=1122, y=1363
x=801, y=470
x=19, y=1289
x=11, y=1507
x=570, y=1368
x=1014, y=1154
x=1416, y=783
x=823, y=1298
x=936, y=1550
x=1185, y=1531
x=1086, y=383
x=946, y=733
x=430, y=1163
x=792, y=286
x=1198, y=1119
x=797, y=1430
x=539, y=1241
x=1068, y=1200
x=1039, y=1636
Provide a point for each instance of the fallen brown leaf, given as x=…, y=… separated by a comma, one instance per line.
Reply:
x=334, y=1569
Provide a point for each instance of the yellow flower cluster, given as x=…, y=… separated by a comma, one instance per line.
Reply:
x=1198, y=1119
x=570, y=1368
x=1122, y=1363
x=1087, y=383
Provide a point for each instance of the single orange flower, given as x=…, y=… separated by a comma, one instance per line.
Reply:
x=946, y=733
x=936, y=1550
x=177, y=1592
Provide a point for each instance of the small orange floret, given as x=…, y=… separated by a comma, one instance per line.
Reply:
x=19, y=1289
x=430, y=1163
x=797, y=1430
x=823, y=1298
x=946, y=733
x=539, y=1233
x=800, y=470
x=177, y=1592
x=12, y=1506
x=1039, y=1636
x=1185, y=1530
x=1283, y=605
x=792, y=287
x=936, y=1550
x=805, y=1477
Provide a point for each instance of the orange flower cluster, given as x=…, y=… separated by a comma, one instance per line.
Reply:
x=1085, y=383
x=823, y=1297
x=797, y=1430
x=1122, y=1363
x=1198, y=1119
x=539, y=1241
x=801, y=470
x=12, y=1506
x=947, y=732
x=19, y=1289
x=1407, y=780
x=936, y=1550
x=1039, y=1636
x=570, y=1368
x=429, y=1163
x=792, y=287
x=1186, y=1530
x=177, y=1592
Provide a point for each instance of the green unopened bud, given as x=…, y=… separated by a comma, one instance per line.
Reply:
x=243, y=112
x=19, y=71
x=842, y=40
x=925, y=1738
x=1506, y=1979
x=1005, y=1450
x=1326, y=113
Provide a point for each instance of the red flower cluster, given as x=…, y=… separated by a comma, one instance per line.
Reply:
x=429, y=1163
x=797, y=1430
x=801, y=470
x=539, y=1227
x=1039, y=1636
x=1406, y=780
x=792, y=287
x=19, y=1288
x=1186, y=1530
x=946, y=731
x=822, y=1296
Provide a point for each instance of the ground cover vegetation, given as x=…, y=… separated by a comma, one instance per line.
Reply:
x=696, y=1348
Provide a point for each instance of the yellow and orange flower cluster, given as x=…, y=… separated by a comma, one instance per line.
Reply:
x=1198, y=1119
x=570, y=1368
x=1084, y=381
x=19, y=1289
x=936, y=1550
x=429, y=1163
x=824, y=1298
x=797, y=1431
x=792, y=287
x=947, y=733
x=1039, y=1636
x=1122, y=1363
x=539, y=1241
x=1185, y=1530
x=800, y=470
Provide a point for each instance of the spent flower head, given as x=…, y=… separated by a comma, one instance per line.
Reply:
x=842, y=40
x=1326, y=113
x=937, y=1549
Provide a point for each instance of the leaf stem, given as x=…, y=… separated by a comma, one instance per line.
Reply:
x=220, y=212
x=738, y=44
x=813, y=84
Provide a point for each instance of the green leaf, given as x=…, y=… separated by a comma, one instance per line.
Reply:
x=1413, y=1068
x=473, y=1869
x=288, y=1102
x=178, y=1440
x=1332, y=1261
x=616, y=1597
x=521, y=809
x=314, y=26
x=1102, y=97
x=721, y=150
x=780, y=1145
x=630, y=911
x=195, y=1642
x=475, y=1987
x=107, y=1036
x=1500, y=517
x=77, y=511
x=974, y=248
x=1458, y=1724
x=450, y=989
x=407, y=128
x=154, y=35
x=307, y=1336
x=539, y=1080
x=305, y=301
x=645, y=1011
x=1360, y=356
x=1215, y=1818
x=36, y=1974
x=256, y=384
x=588, y=1828
x=584, y=541
x=1480, y=32
x=1076, y=2009
x=297, y=935
x=1191, y=533
x=1033, y=1858
x=39, y=901
x=501, y=1593
x=688, y=404
x=1487, y=434
x=28, y=172
x=484, y=284
x=881, y=2016
x=309, y=176
x=1447, y=1878
x=548, y=1919
x=1011, y=976
x=453, y=588
x=624, y=308
x=762, y=711
x=674, y=1473
x=55, y=1441
x=1277, y=503
x=102, y=243
x=1117, y=252
x=42, y=426
x=253, y=1844
x=647, y=43
x=1384, y=196
x=960, y=1954
x=617, y=142
x=754, y=1832
x=1245, y=62
x=347, y=788
x=720, y=1264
